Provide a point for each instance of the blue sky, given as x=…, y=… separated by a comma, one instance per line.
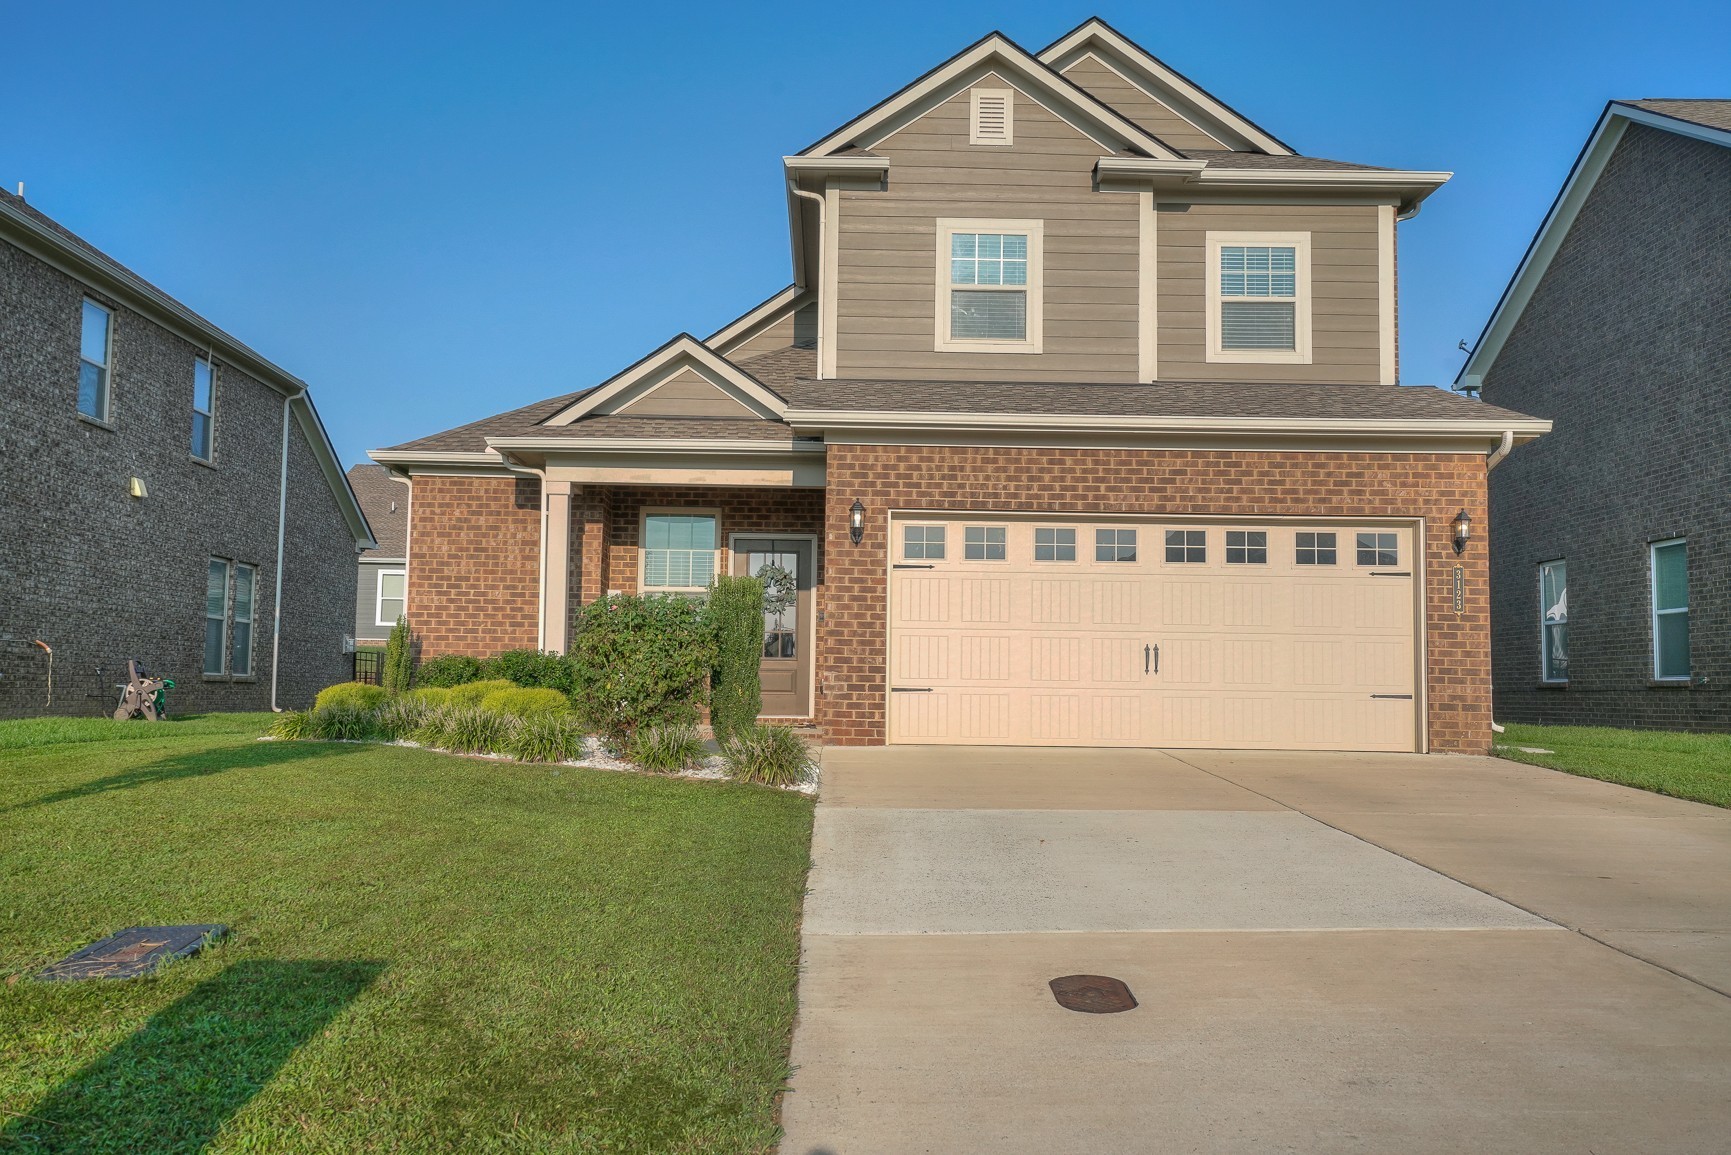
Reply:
x=439, y=215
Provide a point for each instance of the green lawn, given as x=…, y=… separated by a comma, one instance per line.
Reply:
x=429, y=953
x=1692, y=766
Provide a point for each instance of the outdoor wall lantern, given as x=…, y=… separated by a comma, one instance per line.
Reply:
x=1463, y=530
x=856, y=521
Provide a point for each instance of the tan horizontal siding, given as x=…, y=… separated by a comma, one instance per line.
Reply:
x=687, y=394
x=1344, y=287
x=1110, y=88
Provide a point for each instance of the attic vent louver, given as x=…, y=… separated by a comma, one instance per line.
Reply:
x=993, y=117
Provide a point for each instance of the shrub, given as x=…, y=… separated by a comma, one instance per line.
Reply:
x=357, y=694
x=448, y=670
x=431, y=696
x=398, y=671
x=768, y=756
x=292, y=724
x=666, y=748
x=343, y=721
x=545, y=737
x=735, y=616
x=639, y=661
x=472, y=730
x=531, y=668
x=400, y=718
x=522, y=701
x=474, y=693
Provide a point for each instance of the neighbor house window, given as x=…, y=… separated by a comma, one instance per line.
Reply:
x=1378, y=549
x=1187, y=545
x=1247, y=547
x=1054, y=545
x=1114, y=545
x=989, y=286
x=923, y=542
x=678, y=551
x=1554, y=621
x=240, y=620
x=1259, y=297
x=1316, y=549
x=95, y=348
x=203, y=407
x=1670, y=561
x=983, y=543
x=216, y=617
x=393, y=596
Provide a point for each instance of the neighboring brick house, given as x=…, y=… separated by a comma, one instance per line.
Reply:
x=143, y=513
x=1611, y=578
x=382, y=580
x=1079, y=426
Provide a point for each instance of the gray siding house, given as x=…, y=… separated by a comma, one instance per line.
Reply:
x=157, y=479
x=1610, y=597
x=382, y=581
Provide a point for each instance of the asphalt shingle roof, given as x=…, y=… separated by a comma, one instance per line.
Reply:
x=1258, y=160
x=385, y=501
x=1710, y=113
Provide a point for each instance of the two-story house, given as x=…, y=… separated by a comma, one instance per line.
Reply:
x=1079, y=425
x=1609, y=599
x=166, y=495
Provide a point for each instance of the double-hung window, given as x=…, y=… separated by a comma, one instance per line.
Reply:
x=95, y=351
x=1554, y=621
x=240, y=621
x=989, y=286
x=230, y=595
x=216, y=618
x=678, y=552
x=203, y=408
x=392, y=597
x=1670, y=565
x=1258, y=307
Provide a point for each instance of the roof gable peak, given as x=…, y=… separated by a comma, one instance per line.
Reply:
x=681, y=353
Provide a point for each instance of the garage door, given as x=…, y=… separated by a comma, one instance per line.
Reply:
x=1135, y=633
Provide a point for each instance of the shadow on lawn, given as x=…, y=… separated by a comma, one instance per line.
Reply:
x=175, y=1082
x=197, y=764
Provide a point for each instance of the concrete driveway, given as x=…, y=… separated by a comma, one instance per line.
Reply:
x=1332, y=952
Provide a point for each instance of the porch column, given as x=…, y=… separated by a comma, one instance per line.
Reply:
x=555, y=565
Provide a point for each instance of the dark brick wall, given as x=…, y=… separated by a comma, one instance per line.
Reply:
x=103, y=577
x=1626, y=347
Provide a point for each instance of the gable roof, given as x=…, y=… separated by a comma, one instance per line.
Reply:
x=1705, y=120
x=1161, y=81
x=384, y=499
x=682, y=352
x=48, y=240
x=1016, y=65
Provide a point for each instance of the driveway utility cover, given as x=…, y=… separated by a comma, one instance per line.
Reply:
x=909, y=871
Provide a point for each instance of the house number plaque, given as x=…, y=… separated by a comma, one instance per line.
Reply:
x=1460, y=585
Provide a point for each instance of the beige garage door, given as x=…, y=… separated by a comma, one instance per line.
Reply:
x=1103, y=633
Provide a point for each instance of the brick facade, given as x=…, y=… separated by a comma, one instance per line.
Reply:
x=475, y=564
x=1625, y=345
x=1190, y=483
x=102, y=576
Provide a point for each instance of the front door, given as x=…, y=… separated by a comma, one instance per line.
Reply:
x=787, y=622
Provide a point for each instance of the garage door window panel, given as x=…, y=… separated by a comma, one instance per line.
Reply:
x=923, y=542
x=1052, y=544
x=1114, y=545
x=983, y=543
x=1316, y=549
x=1187, y=546
x=1379, y=549
x=1246, y=547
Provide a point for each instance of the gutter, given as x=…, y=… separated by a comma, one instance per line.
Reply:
x=1110, y=423
x=1501, y=451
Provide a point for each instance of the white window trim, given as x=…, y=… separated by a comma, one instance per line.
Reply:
x=643, y=517
x=209, y=458
x=1300, y=354
x=107, y=366
x=251, y=620
x=1035, y=231
x=1009, y=136
x=1653, y=549
x=379, y=618
x=1544, y=631
x=1004, y=544
x=907, y=525
x=1075, y=544
x=227, y=615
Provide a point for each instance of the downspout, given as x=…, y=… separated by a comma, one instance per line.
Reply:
x=281, y=527
x=822, y=337
x=539, y=475
x=1501, y=451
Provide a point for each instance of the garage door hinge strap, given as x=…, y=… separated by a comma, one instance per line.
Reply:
x=910, y=689
x=1390, y=573
x=1402, y=697
x=904, y=565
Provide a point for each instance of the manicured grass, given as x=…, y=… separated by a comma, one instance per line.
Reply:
x=1692, y=766
x=430, y=953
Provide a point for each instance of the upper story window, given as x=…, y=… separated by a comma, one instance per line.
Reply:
x=1670, y=561
x=203, y=407
x=678, y=552
x=1259, y=297
x=1554, y=621
x=989, y=290
x=95, y=348
x=992, y=117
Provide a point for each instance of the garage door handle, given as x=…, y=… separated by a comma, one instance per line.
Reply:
x=1402, y=697
x=1147, y=652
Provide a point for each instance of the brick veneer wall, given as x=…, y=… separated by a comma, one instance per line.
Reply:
x=740, y=510
x=1191, y=483
x=475, y=564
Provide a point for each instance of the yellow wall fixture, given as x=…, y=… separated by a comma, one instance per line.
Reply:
x=135, y=486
